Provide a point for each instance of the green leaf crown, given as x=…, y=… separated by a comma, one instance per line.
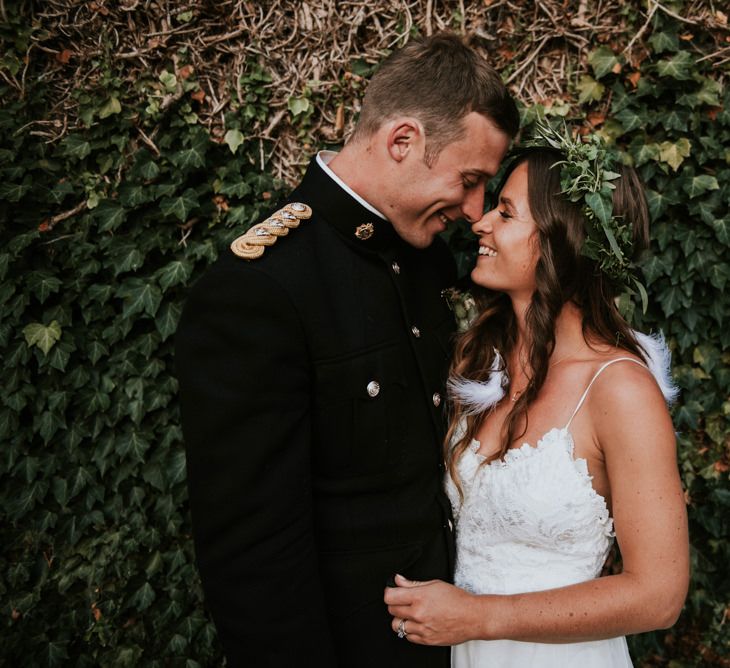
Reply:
x=587, y=176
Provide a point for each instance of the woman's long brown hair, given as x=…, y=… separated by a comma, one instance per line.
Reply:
x=562, y=274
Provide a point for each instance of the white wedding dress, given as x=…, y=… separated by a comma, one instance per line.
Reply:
x=528, y=523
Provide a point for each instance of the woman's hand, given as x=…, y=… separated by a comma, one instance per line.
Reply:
x=431, y=613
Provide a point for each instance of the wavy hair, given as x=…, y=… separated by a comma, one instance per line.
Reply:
x=562, y=274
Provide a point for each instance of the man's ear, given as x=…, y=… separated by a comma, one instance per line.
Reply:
x=405, y=136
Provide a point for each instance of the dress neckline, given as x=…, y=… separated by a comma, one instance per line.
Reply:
x=525, y=448
x=527, y=451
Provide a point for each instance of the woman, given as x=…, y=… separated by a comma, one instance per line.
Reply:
x=560, y=436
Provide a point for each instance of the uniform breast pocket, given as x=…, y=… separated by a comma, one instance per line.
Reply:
x=358, y=427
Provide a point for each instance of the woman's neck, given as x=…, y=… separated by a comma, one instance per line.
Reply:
x=568, y=331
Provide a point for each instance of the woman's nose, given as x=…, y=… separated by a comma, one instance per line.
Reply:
x=484, y=224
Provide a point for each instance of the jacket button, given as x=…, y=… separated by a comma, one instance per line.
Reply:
x=396, y=268
x=436, y=398
x=373, y=388
x=451, y=525
x=416, y=332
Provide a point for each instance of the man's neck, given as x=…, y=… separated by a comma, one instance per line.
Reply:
x=326, y=160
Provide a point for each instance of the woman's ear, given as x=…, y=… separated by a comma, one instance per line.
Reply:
x=405, y=136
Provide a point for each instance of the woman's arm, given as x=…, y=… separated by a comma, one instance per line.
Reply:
x=635, y=433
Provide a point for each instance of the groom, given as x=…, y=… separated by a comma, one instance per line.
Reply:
x=312, y=358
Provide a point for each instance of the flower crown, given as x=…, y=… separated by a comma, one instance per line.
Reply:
x=586, y=175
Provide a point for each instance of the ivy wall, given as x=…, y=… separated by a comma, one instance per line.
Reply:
x=138, y=138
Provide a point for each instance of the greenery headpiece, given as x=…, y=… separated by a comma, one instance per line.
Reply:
x=586, y=174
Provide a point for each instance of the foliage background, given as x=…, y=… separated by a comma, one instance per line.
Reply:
x=137, y=138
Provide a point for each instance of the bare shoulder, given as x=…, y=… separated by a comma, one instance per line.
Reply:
x=626, y=399
x=624, y=379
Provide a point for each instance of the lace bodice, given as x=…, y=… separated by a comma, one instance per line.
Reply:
x=531, y=521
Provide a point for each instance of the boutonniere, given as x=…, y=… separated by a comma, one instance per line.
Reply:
x=463, y=305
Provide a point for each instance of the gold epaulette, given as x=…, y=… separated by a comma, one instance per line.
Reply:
x=251, y=245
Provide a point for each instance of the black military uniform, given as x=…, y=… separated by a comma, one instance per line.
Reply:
x=311, y=382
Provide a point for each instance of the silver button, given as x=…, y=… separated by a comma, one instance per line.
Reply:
x=416, y=332
x=451, y=525
x=436, y=398
x=373, y=388
x=396, y=268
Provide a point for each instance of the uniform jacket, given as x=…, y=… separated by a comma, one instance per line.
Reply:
x=311, y=386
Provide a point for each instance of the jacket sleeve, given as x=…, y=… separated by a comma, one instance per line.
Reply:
x=243, y=369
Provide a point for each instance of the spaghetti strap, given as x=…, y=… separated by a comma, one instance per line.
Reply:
x=598, y=373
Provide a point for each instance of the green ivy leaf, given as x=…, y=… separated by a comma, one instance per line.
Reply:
x=55, y=653
x=233, y=138
x=664, y=41
x=176, y=467
x=653, y=268
x=181, y=205
x=677, y=67
x=133, y=445
x=110, y=214
x=646, y=152
x=125, y=257
x=13, y=192
x=629, y=119
x=168, y=80
x=675, y=119
x=589, y=90
x=194, y=155
x=112, y=106
x=671, y=300
x=42, y=284
x=674, y=153
x=719, y=274
x=235, y=189
x=173, y=273
x=131, y=196
x=722, y=231
x=139, y=297
x=41, y=336
x=75, y=146
x=143, y=597
x=167, y=319
x=602, y=60
x=710, y=92
x=298, y=105
x=698, y=185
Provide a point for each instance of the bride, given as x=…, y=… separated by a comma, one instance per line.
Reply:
x=560, y=438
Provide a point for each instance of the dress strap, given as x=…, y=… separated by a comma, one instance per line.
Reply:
x=598, y=373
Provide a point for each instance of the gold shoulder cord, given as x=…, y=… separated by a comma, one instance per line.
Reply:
x=251, y=245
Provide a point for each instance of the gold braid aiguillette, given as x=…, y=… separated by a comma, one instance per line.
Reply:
x=251, y=245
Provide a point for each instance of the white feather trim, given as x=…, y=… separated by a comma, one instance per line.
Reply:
x=658, y=358
x=476, y=396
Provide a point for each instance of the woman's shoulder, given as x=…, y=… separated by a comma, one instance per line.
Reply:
x=623, y=384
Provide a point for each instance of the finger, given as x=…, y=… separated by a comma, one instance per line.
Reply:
x=400, y=611
x=398, y=596
x=405, y=582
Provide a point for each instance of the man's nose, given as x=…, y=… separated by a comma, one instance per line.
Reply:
x=473, y=205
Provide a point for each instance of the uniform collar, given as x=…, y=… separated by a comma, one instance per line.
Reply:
x=323, y=160
x=360, y=225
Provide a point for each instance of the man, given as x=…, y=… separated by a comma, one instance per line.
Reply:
x=312, y=359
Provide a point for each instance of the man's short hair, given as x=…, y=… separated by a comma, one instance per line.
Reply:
x=438, y=80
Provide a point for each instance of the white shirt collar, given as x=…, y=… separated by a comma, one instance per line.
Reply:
x=323, y=158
